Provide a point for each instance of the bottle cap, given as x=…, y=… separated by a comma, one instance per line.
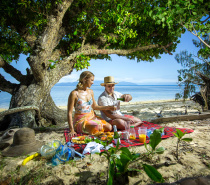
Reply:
x=115, y=128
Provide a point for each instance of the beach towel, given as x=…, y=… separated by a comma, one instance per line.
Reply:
x=168, y=132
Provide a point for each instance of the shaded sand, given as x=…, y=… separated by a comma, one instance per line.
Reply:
x=195, y=161
x=194, y=156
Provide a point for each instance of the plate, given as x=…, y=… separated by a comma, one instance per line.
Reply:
x=103, y=134
x=77, y=141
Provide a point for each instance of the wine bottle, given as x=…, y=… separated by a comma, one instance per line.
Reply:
x=121, y=99
x=116, y=135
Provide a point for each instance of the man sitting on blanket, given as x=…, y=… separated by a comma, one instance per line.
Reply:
x=107, y=98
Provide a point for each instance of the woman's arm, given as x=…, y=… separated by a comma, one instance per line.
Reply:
x=95, y=106
x=112, y=116
x=70, y=106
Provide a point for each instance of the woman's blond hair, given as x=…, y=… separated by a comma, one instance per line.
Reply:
x=84, y=76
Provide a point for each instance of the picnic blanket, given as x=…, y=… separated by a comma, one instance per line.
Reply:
x=168, y=132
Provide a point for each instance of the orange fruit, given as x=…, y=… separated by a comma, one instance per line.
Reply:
x=82, y=138
x=103, y=138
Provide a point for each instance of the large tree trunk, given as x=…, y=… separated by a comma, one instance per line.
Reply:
x=35, y=95
x=53, y=114
x=203, y=97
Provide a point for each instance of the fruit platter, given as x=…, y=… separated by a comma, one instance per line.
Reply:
x=104, y=136
x=82, y=139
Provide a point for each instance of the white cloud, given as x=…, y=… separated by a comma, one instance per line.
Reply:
x=156, y=81
x=70, y=78
x=124, y=79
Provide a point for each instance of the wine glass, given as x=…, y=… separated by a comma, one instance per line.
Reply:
x=127, y=130
x=127, y=126
x=115, y=104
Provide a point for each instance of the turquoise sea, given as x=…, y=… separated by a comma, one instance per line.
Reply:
x=139, y=93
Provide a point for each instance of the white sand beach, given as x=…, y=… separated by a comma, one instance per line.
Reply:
x=194, y=156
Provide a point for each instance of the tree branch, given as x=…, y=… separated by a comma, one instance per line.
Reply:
x=6, y=85
x=205, y=20
x=49, y=39
x=46, y=43
x=113, y=51
x=195, y=34
x=11, y=70
x=84, y=38
x=30, y=39
x=205, y=78
x=63, y=68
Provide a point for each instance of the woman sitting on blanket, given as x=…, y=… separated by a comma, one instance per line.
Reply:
x=82, y=99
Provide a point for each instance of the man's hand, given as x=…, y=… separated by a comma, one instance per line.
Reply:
x=131, y=121
x=127, y=97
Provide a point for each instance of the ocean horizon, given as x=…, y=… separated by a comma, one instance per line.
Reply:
x=139, y=93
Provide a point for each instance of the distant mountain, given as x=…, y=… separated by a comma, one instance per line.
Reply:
x=95, y=83
x=127, y=83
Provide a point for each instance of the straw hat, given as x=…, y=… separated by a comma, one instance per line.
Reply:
x=109, y=80
x=7, y=138
x=24, y=142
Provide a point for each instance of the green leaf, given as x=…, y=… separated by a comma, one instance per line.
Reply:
x=124, y=158
x=133, y=169
x=75, y=32
x=126, y=152
x=122, y=163
x=179, y=133
x=180, y=79
x=135, y=156
x=111, y=173
x=150, y=13
x=155, y=138
x=160, y=150
x=187, y=139
x=153, y=173
x=145, y=145
x=175, y=134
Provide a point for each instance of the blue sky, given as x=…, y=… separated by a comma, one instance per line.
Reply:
x=160, y=72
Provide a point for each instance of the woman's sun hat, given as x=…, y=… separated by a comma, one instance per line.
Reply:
x=108, y=80
x=7, y=138
x=24, y=142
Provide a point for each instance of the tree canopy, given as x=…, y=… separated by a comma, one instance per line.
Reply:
x=60, y=35
x=193, y=15
x=195, y=72
x=120, y=27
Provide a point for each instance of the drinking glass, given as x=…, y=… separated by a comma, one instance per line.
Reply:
x=142, y=134
x=127, y=126
x=126, y=133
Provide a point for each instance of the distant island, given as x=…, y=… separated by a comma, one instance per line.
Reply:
x=96, y=83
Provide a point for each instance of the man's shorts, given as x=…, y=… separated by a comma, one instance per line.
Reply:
x=128, y=116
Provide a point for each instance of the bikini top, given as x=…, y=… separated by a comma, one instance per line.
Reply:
x=83, y=106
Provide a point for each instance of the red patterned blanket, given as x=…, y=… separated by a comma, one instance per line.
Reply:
x=168, y=132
